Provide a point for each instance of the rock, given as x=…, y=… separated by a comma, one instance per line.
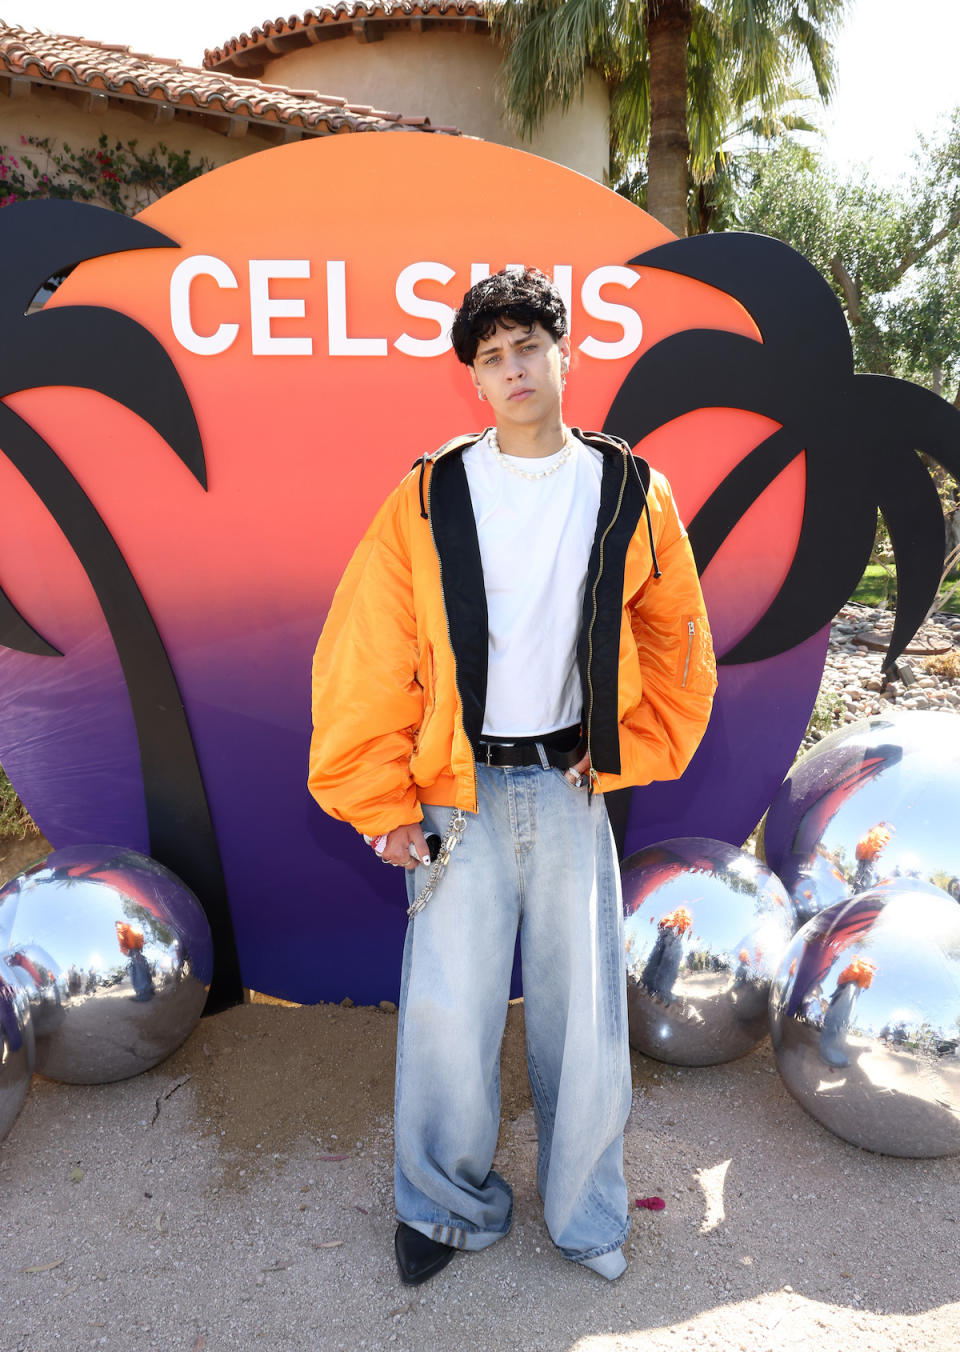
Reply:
x=854, y=686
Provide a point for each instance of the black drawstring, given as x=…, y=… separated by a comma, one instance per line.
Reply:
x=646, y=508
x=423, y=468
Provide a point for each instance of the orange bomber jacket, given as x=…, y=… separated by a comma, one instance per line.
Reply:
x=399, y=673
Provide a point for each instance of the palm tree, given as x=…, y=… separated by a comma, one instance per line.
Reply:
x=681, y=71
x=100, y=349
x=860, y=435
x=715, y=186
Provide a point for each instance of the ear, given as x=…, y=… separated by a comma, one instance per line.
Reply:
x=473, y=377
x=564, y=346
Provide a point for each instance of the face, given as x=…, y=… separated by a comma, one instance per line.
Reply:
x=520, y=373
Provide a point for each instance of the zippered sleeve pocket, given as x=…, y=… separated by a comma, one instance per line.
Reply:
x=696, y=667
x=426, y=679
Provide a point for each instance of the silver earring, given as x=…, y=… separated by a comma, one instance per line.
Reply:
x=480, y=395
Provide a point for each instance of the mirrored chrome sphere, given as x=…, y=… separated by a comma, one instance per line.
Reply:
x=874, y=802
x=704, y=927
x=17, y=1052
x=865, y=1020
x=115, y=955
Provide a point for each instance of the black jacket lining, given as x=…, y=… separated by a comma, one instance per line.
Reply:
x=613, y=535
x=464, y=595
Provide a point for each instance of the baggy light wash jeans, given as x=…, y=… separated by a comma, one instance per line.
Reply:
x=538, y=855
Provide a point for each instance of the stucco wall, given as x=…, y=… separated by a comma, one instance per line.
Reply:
x=51, y=115
x=449, y=77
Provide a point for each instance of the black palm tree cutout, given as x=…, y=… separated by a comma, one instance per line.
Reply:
x=100, y=349
x=860, y=433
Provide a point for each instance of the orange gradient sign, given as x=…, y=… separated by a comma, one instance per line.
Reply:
x=304, y=300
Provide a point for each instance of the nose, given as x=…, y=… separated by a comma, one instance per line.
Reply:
x=516, y=367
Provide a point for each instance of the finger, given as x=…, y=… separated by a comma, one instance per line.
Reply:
x=419, y=845
x=582, y=765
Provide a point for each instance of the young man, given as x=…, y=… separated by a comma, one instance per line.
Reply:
x=520, y=630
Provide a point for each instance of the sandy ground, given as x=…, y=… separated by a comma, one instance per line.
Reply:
x=240, y=1196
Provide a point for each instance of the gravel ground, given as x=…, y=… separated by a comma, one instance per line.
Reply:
x=240, y=1195
x=854, y=686
x=131, y=1219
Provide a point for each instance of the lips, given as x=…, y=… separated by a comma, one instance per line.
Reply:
x=520, y=394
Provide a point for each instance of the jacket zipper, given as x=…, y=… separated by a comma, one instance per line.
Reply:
x=691, y=630
x=446, y=618
x=594, y=778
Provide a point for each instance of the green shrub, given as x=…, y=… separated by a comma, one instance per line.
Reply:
x=827, y=712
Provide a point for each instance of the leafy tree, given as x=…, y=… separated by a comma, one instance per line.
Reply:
x=891, y=254
x=892, y=257
x=682, y=72
x=714, y=189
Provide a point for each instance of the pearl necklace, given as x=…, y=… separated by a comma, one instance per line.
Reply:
x=563, y=455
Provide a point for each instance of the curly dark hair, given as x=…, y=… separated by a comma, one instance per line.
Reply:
x=507, y=298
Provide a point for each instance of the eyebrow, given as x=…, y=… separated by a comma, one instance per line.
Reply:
x=512, y=342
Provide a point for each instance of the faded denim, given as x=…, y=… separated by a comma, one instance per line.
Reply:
x=538, y=855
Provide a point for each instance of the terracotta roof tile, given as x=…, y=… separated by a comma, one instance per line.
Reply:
x=348, y=12
x=60, y=61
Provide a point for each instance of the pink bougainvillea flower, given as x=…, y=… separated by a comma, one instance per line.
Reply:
x=650, y=1203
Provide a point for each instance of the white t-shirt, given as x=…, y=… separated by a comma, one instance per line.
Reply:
x=535, y=540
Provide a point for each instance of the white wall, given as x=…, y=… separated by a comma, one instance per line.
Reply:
x=448, y=77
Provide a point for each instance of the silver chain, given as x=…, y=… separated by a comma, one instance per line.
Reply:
x=447, y=846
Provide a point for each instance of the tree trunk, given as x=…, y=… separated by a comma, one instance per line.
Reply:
x=668, y=33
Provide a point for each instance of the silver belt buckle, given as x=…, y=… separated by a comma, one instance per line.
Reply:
x=488, y=748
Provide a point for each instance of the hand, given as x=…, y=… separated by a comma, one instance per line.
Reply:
x=581, y=768
x=396, y=847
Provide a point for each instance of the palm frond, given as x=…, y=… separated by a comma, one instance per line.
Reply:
x=746, y=267
x=913, y=514
x=810, y=39
x=736, y=494
x=548, y=45
x=710, y=106
x=860, y=435
x=729, y=369
x=836, y=537
x=17, y=634
x=98, y=349
x=41, y=237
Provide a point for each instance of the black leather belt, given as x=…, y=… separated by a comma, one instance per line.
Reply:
x=526, y=751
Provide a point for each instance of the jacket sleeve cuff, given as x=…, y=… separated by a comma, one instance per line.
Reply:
x=380, y=821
